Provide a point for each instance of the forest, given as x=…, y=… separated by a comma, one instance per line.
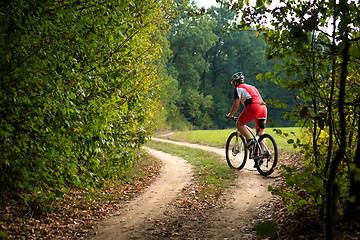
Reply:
x=84, y=85
x=205, y=51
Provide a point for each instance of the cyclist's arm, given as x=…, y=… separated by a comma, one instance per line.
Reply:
x=234, y=107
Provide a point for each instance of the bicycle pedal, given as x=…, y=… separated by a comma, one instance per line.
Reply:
x=250, y=143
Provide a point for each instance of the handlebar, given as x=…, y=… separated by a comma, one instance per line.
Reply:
x=232, y=118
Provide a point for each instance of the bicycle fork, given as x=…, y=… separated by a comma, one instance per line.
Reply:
x=236, y=148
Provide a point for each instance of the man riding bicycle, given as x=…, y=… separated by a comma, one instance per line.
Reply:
x=255, y=107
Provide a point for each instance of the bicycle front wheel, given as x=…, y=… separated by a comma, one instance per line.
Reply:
x=266, y=155
x=235, y=151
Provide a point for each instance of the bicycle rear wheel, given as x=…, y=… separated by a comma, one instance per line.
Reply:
x=266, y=155
x=235, y=151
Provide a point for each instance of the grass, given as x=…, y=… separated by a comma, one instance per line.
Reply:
x=217, y=138
x=212, y=174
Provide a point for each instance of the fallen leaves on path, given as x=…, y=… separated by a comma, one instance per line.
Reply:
x=78, y=211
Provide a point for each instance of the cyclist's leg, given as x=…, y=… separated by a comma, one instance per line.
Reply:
x=245, y=117
x=260, y=120
x=242, y=129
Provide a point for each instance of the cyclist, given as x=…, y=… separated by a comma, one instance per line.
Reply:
x=255, y=107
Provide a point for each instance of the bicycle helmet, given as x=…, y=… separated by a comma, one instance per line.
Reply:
x=239, y=76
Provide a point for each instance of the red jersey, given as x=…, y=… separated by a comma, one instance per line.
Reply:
x=246, y=91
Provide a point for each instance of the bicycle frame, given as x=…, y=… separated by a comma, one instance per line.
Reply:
x=252, y=132
x=255, y=136
x=263, y=148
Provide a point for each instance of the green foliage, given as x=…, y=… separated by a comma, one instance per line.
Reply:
x=321, y=66
x=266, y=229
x=77, y=90
x=301, y=192
x=195, y=106
x=205, y=51
x=190, y=38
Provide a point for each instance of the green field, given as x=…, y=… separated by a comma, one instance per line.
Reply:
x=217, y=138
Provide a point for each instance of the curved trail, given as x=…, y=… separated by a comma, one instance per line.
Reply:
x=175, y=175
x=242, y=201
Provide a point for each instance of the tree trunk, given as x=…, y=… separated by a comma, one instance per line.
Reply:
x=331, y=193
x=352, y=211
x=214, y=63
x=330, y=111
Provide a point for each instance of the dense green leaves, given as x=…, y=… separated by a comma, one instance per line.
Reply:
x=316, y=41
x=77, y=83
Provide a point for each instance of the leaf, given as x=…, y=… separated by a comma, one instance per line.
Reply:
x=311, y=23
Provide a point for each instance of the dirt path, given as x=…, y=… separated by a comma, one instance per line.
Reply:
x=152, y=216
x=175, y=175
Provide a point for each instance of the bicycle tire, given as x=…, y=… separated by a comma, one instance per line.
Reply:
x=265, y=162
x=236, y=154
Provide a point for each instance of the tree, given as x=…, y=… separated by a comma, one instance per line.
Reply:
x=190, y=37
x=318, y=62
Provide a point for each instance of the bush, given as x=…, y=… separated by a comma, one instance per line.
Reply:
x=76, y=90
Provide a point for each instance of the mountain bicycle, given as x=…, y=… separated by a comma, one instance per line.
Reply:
x=264, y=151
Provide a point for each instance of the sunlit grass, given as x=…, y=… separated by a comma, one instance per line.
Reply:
x=217, y=138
